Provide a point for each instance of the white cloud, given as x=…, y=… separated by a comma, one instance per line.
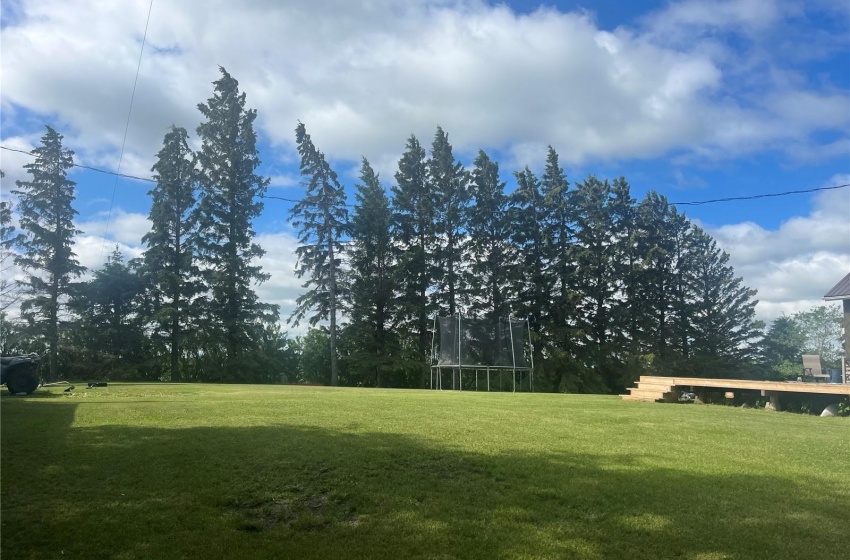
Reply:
x=92, y=252
x=283, y=288
x=792, y=267
x=682, y=19
x=123, y=227
x=12, y=162
x=284, y=180
x=365, y=78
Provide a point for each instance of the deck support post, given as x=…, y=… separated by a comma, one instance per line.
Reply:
x=699, y=395
x=773, y=404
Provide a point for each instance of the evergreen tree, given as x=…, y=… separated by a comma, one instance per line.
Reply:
x=489, y=233
x=110, y=327
x=279, y=357
x=229, y=192
x=531, y=281
x=532, y=285
x=660, y=301
x=372, y=286
x=782, y=348
x=595, y=252
x=170, y=257
x=626, y=269
x=413, y=231
x=315, y=358
x=47, y=217
x=322, y=220
x=448, y=182
x=723, y=315
x=559, y=222
x=560, y=370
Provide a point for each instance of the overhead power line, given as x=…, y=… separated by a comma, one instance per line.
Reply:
x=126, y=127
x=104, y=171
x=755, y=196
x=125, y=175
x=690, y=203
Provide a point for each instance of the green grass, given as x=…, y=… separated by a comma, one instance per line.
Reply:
x=218, y=471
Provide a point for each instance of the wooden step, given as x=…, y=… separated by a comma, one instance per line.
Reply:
x=651, y=388
x=646, y=393
x=654, y=379
x=652, y=394
x=664, y=387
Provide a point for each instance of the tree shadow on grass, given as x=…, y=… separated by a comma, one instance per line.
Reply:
x=295, y=492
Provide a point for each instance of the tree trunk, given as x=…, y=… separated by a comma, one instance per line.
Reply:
x=334, y=365
x=53, y=329
x=175, y=349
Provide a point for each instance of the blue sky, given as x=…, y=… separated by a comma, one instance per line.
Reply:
x=696, y=99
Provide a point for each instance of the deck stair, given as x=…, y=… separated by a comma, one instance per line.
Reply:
x=652, y=389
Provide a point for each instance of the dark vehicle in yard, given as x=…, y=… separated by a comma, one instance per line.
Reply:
x=20, y=374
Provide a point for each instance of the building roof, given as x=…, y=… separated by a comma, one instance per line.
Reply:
x=840, y=290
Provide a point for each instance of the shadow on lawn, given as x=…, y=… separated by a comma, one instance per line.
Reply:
x=296, y=492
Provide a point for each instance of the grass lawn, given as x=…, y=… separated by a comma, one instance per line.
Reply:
x=235, y=471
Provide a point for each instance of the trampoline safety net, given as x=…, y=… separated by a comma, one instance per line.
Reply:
x=481, y=342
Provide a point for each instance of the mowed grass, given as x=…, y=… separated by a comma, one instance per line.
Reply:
x=224, y=471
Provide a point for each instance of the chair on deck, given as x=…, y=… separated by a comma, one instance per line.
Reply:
x=812, y=369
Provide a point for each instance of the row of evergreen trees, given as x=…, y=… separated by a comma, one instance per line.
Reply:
x=612, y=287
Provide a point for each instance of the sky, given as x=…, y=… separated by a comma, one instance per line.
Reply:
x=694, y=99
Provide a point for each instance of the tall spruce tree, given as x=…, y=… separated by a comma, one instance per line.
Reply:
x=595, y=251
x=532, y=285
x=559, y=222
x=489, y=237
x=531, y=281
x=322, y=220
x=560, y=370
x=660, y=302
x=170, y=258
x=47, y=218
x=229, y=193
x=448, y=181
x=723, y=320
x=414, y=234
x=372, y=280
x=626, y=270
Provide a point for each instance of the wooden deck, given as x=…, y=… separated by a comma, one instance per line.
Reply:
x=667, y=389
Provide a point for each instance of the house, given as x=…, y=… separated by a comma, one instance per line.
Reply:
x=841, y=292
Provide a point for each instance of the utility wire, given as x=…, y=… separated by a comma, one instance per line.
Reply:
x=691, y=203
x=755, y=196
x=126, y=128
x=126, y=176
x=81, y=166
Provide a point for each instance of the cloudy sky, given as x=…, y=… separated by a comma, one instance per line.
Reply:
x=696, y=99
